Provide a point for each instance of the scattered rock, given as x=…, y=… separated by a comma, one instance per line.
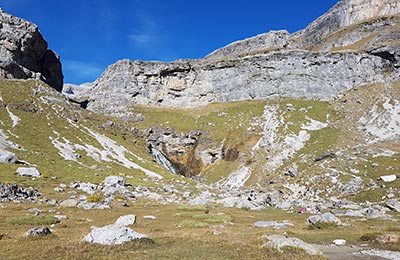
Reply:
x=61, y=217
x=339, y=242
x=30, y=172
x=393, y=205
x=277, y=242
x=388, y=178
x=376, y=212
x=149, y=217
x=114, y=181
x=126, y=220
x=69, y=203
x=273, y=224
x=326, y=217
x=35, y=211
x=43, y=231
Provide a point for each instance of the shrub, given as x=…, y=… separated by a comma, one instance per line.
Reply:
x=94, y=198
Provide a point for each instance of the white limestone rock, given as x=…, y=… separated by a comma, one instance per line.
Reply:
x=29, y=172
x=278, y=241
x=112, y=235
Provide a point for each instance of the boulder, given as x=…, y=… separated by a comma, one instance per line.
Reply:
x=326, y=218
x=7, y=157
x=42, y=231
x=126, y=220
x=376, y=212
x=24, y=53
x=388, y=178
x=393, y=205
x=278, y=241
x=273, y=224
x=29, y=172
x=68, y=203
x=112, y=235
x=114, y=181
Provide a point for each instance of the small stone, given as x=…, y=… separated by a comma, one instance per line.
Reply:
x=35, y=211
x=149, y=217
x=339, y=242
x=61, y=217
x=44, y=231
x=388, y=178
x=374, y=165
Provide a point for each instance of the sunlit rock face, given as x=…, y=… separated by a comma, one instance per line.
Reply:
x=24, y=53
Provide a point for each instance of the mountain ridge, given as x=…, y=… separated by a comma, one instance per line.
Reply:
x=275, y=63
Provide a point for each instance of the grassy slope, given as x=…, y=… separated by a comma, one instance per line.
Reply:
x=232, y=123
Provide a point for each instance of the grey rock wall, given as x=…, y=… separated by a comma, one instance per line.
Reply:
x=24, y=53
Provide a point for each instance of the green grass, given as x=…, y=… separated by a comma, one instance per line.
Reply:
x=188, y=223
x=213, y=218
x=38, y=220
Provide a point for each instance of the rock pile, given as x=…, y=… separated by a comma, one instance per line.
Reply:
x=12, y=192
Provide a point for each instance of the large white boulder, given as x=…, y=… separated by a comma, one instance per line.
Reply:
x=30, y=172
x=112, y=235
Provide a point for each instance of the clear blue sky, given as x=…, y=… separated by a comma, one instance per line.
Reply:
x=89, y=35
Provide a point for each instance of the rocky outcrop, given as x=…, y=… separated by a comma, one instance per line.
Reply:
x=24, y=53
x=346, y=13
x=355, y=43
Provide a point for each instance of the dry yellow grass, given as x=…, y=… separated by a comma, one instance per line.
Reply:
x=239, y=240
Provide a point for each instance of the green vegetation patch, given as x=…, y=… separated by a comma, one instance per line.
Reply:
x=213, y=218
x=38, y=220
x=192, y=224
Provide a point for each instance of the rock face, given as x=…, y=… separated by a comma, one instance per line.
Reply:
x=355, y=43
x=24, y=53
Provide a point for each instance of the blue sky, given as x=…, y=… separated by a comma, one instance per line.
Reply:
x=89, y=35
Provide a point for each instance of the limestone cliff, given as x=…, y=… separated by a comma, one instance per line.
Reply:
x=357, y=42
x=24, y=53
